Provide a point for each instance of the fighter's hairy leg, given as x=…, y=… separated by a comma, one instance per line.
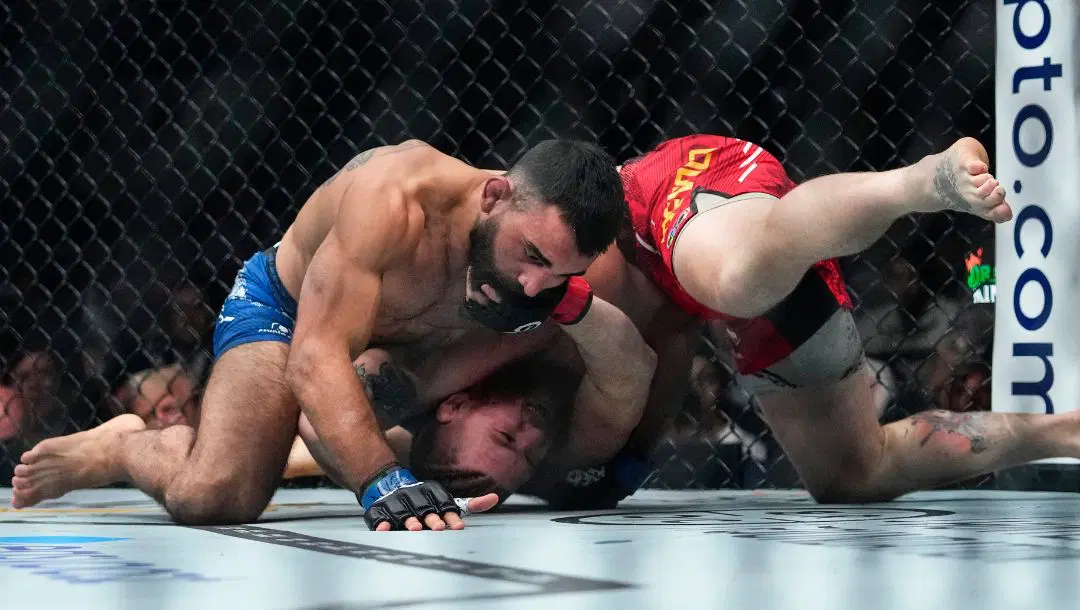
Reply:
x=744, y=257
x=86, y=459
x=226, y=474
x=843, y=454
x=246, y=430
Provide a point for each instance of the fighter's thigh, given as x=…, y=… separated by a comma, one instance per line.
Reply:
x=830, y=433
x=248, y=421
x=715, y=250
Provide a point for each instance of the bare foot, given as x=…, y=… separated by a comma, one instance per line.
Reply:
x=78, y=461
x=960, y=180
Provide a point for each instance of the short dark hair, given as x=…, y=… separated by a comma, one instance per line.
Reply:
x=542, y=381
x=547, y=384
x=579, y=179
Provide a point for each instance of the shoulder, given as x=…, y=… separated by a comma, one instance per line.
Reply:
x=414, y=168
x=390, y=164
x=377, y=221
x=412, y=155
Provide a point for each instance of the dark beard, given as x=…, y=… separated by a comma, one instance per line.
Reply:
x=481, y=259
x=516, y=312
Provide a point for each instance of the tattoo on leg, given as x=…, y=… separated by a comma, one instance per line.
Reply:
x=973, y=427
x=945, y=186
x=353, y=163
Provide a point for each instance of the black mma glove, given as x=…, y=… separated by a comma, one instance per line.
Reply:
x=393, y=495
x=517, y=313
x=600, y=487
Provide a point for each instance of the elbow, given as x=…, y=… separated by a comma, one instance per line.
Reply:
x=300, y=370
x=598, y=439
x=297, y=370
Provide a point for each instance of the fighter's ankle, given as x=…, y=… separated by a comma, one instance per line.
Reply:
x=918, y=185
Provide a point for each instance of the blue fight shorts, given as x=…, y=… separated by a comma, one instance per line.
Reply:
x=259, y=308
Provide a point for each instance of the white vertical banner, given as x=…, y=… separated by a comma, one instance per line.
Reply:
x=1036, y=367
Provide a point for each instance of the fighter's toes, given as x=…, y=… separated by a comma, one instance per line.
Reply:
x=971, y=156
x=24, y=497
x=1001, y=212
x=985, y=189
x=975, y=166
x=962, y=182
x=31, y=456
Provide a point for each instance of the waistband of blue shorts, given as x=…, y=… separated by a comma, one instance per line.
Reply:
x=284, y=299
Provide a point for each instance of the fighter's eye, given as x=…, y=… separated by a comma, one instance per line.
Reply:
x=502, y=438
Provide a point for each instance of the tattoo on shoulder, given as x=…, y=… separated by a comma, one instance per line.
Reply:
x=353, y=163
x=945, y=186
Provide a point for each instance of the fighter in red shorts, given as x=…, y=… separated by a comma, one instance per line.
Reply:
x=685, y=178
x=719, y=228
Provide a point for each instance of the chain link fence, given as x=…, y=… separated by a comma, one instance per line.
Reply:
x=151, y=147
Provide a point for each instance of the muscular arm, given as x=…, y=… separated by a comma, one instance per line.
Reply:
x=674, y=345
x=391, y=390
x=619, y=369
x=338, y=304
x=467, y=362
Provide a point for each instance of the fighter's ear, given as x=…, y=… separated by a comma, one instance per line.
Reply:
x=496, y=189
x=451, y=407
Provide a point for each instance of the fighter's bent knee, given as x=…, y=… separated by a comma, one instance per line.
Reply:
x=210, y=504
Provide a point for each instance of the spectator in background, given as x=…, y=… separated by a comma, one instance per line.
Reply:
x=29, y=408
x=967, y=390
x=162, y=397
x=189, y=323
x=11, y=413
x=32, y=405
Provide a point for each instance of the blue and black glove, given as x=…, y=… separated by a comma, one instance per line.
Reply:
x=600, y=487
x=393, y=495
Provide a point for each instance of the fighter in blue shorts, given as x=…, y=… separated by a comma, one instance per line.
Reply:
x=404, y=247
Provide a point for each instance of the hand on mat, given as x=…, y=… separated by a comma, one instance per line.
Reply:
x=450, y=519
x=393, y=499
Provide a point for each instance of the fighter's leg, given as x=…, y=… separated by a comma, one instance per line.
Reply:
x=225, y=475
x=751, y=251
x=841, y=452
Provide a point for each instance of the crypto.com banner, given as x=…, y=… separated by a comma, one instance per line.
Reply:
x=1036, y=366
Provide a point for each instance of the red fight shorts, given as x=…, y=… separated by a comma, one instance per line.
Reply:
x=795, y=343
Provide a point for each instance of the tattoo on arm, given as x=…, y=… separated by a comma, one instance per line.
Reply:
x=973, y=427
x=945, y=185
x=353, y=163
x=390, y=390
